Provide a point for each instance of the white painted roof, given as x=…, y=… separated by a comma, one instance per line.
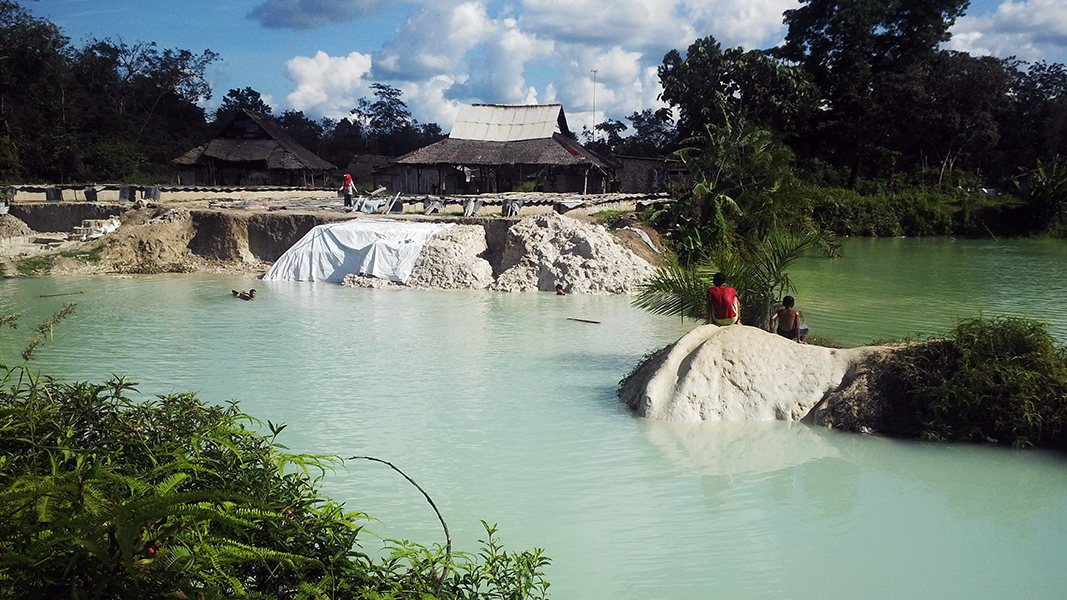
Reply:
x=502, y=123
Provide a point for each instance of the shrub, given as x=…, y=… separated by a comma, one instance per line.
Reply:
x=1002, y=379
x=36, y=265
x=107, y=497
x=913, y=211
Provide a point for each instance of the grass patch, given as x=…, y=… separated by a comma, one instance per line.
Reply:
x=36, y=265
x=92, y=255
x=603, y=217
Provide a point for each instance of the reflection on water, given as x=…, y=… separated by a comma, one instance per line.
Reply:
x=504, y=410
x=728, y=448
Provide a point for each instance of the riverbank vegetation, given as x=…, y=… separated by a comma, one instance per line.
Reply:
x=990, y=380
x=105, y=496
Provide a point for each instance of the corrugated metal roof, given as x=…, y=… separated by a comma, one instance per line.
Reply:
x=504, y=123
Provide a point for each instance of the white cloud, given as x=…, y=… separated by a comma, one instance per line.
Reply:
x=328, y=85
x=1031, y=30
x=624, y=84
x=530, y=51
x=657, y=25
x=433, y=42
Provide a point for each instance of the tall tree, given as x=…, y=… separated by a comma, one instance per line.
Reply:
x=388, y=124
x=956, y=125
x=654, y=133
x=711, y=86
x=306, y=132
x=866, y=57
x=236, y=100
x=35, y=95
x=1036, y=128
x=608, y=139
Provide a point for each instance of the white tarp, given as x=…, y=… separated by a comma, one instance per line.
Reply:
x=379, y=247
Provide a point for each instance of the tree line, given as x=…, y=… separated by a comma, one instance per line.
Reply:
x=116, y=111
x=860, y=93
x=864, y=97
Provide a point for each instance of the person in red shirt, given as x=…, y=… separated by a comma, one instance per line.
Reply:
x=723, y=305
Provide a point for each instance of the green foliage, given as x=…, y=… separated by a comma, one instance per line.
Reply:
x=711, y=84
x=237, y=100
x=42, y=264
x=757, y=269
x=1044, y=192
x=104, y=496
x=742, y=186
x=746, y=216
x=911, y=212
x=36, y=265
x=868, y=60
x=92, y=255
x=998, y=379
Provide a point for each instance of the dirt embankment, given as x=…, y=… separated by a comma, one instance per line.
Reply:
x=150, y=240
x=177, y=238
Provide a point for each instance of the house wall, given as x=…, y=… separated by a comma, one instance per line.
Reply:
x=230, y=175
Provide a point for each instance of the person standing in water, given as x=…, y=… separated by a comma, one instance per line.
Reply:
x=348, y=189
x=723, y=306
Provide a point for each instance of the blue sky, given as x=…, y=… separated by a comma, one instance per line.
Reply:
x=320, y=56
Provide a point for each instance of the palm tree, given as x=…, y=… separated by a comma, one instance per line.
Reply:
x=738, y=170
x=757, y=269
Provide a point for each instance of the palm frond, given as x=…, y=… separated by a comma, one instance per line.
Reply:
x=676, y=291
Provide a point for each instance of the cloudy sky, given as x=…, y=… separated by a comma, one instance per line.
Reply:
x=320, y=56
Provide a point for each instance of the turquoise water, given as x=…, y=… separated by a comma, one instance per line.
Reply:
x=889, y=288
x=503, y=409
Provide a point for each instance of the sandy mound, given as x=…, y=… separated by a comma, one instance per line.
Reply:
x=738, y=373
x=12, y=226
x=547, y=249
x=149, y=241
x=452, y=260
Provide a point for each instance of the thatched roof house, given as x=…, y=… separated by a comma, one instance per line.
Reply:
x=495, y=147
x=252, y=150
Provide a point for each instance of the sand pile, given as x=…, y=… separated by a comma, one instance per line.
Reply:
x=452, y=259
x=539, y=252
x=547, y=249
x=12, y=226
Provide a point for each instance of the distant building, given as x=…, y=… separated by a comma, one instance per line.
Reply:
x=500, y=148
x=252, y=150
x=640, y=174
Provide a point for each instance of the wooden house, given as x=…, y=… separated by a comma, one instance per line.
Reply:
x=253, y=150
x=500, y=148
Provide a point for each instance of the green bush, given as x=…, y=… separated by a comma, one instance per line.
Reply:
x=36, y=265
x=108, y=497
x=1000, y=379
x=911, y=212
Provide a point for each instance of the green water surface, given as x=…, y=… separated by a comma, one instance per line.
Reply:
x=503, y=408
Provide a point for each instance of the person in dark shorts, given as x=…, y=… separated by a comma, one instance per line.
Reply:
x=243, y=295
x=788, y=320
